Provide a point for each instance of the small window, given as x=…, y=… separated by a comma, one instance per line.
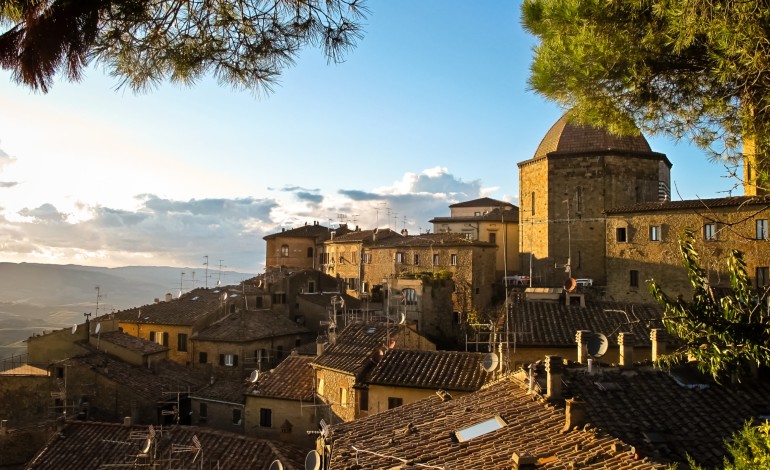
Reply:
x=181, y=342
x=394, y=402
x=477, y=214
x=400, y=258
x=710, y=232
x=310, y=287
x=763, y=276
x=203, y=357
x=203, y=410
x=416, y=259
x=453, y=259
x=344, y=396
x=367, y=258
x=410, y=296
x=620, y=235
x=363, y=397
x=228, y=360
x=579, y=199
x=761, y=229
x=279, y=352
x=479, y=429
x=236, y=416
x=260, y=302
x=284, y=251
x=493, y=238
x=654, y=233
x=266, y=417
x=310, y=252
x=320, y=386
x=532, y=206
x=435, y=260
x=279, y=298
x=634, y=281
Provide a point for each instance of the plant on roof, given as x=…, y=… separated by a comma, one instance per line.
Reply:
x=725, y=333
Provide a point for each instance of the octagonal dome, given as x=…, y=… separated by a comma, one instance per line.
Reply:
x=566, y=137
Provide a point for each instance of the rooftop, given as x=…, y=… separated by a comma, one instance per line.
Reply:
x=186, y=310
x=314, y=230
x=693, y=204
x=366, y=236
x=246, y=326
x=431, y=239
x=353, y=350
x=511, y=214
x=482, y=202
x=448, y=370
x=224, y=389
x=292, y=379
x=133, y=343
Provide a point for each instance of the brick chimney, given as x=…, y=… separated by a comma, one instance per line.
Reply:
x=581, y=338
x=658, y=343
x=626, y=346
x=575, y=414
x=554, y=366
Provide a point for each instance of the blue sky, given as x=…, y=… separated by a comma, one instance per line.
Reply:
x=431, y=108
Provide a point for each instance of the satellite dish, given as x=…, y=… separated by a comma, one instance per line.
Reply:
x=254, y=376
x=597, y=345
x=276, y=465
x=147, y=445
x=98, y=328
x=402, y=318
x=74, y=328
x=570, y=285
x=490, y=362
x=313, y=460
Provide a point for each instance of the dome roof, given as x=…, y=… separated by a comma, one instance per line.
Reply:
x=567, y=137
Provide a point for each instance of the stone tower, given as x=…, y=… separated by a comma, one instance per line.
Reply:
x=576, y=174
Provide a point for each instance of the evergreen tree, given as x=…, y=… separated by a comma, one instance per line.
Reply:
x=243, y=43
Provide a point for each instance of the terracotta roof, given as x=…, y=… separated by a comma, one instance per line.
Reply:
x=555, y=324
x=365, y=236
x=354, y=347
x=448, y=370
x=510, y=215
x=482, y=202
x=133, y=343
x=186, y=310
x=310, y=231
x=325, y=298
x=431, y=239
x=25, y=369
x=223, y=389
x=693, y=204
x=567, y=137
x=152, y=382
x=89, y=445
x=245, y=326
x=649, y=409
x=423, y=433
x=292, y=379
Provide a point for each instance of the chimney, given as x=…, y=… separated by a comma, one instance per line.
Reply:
x=582, y=340
x=332, y=337
x=127, y=421
x=658, y=343
x=554, y=366
x=319, y=347
x=3, y=427
x=523, y=460
x=404, y=232
x=169, y=297
x=626, y=346
x=575, y=414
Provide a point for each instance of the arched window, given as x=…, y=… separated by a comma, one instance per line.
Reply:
x=285, y=251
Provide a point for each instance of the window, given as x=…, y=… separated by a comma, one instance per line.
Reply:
x=310, y=287
x=260, y=301
x=453, y=259
x=344, y=396
x=634, y=281
x=310, y=252
x=579, y=199
x=410, y=296
x=181, y=342
x=477, y=214
x=763, y=276
x=367, y=258
x=654, y=233
x=228, y=360
x=266, y=417
x=363, y=396
x=479, y=429
x=159, y=337
x=435, y=260
x=416, y=259
x=284, y=251
x=236, y=416
x=710, y=231
x=261, y=355
x=352, y=283
x=620, y=234
x=394, y=402
x=203, y=410
x=400, y=258
x=532, y=206
x=279, y=352
x=320, y=386
x=493, y=238
x=203, y=357
x=761, y=229
x=354, y=256
x=279, y=298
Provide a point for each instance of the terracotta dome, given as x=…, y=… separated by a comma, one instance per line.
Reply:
x=566, y=137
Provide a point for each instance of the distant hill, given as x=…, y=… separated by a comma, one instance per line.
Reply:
x=36, y=297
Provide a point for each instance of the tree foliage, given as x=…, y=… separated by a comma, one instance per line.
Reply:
x=687, y=68
x=243, y=43
x=724, y=332
x=749, y=448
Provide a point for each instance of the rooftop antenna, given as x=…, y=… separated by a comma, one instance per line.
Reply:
x=355, y=218
x=387, y=209
x=181, y=281
x=219, y=278
x=206, y=276
x=193, y=280
x=377, y=213
x=96, y=313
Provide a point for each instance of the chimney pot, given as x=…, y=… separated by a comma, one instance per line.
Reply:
x=554, y=366
x=626, y=346
x=581, y=338
x=575, y=414
x=658, y=343
x=523, y=460
x=127, y=421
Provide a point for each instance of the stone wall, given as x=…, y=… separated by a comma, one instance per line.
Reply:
x=296, y=254
x=330, y=385
x=143, y=330
x=301, y=417
x=276, y=349
x=26, y=399
x=379, y=395
x=219, y=415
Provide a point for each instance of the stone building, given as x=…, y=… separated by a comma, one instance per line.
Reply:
x=299, y=248
x=578, y=173
x=489, y=220
x=642, y=243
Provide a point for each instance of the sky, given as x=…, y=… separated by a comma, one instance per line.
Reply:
x=431, y=108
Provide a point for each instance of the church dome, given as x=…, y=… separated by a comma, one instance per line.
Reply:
x=566, y=137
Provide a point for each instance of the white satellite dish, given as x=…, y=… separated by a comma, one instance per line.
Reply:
x=313, y=460
x=147, y=445
x=276, y=465
x=74, y=328
x=597, y=345
x=98, y=328
x=490, y=362
x=402, y=318
x=254, y=376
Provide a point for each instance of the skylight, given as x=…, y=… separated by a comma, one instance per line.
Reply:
x=479, y=429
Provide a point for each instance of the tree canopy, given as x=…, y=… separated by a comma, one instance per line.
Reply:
x=242, y=43
x=724, y=331
x=698, y=69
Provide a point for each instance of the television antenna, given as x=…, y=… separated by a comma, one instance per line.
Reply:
x=206, y=275
x=98, y=296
